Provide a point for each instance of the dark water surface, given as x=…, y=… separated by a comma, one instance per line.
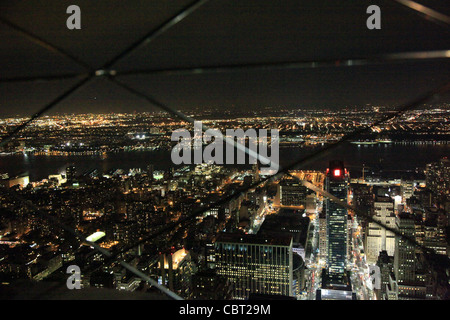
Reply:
x=392, y=158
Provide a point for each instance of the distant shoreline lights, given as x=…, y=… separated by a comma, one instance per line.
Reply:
x=213, y=152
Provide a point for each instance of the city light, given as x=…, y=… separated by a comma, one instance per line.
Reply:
x=149, y=133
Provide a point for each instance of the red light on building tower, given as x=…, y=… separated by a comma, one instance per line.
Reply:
x=337, y=172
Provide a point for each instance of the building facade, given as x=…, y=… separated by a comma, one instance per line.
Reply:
x=378, y=238
x=336, y=183
x=255, y=264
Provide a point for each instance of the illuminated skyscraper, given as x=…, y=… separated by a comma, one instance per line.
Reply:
x=255, y=264
x=438, y=177
x=176, y=269
x=377, y=237
x=70, y=173
x=404, y=257
x=292, y=193
x=337, y=184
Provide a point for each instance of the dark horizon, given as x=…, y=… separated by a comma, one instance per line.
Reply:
x=221, y=33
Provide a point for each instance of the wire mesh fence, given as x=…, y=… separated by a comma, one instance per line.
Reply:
x=161, y=231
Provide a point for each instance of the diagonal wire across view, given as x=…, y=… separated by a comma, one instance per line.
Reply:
x=146, y=39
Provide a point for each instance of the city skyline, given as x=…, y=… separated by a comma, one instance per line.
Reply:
x=294, y=32
x=92, y=198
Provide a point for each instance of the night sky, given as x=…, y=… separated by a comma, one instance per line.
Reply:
x=222, y=32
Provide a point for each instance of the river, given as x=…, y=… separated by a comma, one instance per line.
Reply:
x=390, y=158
